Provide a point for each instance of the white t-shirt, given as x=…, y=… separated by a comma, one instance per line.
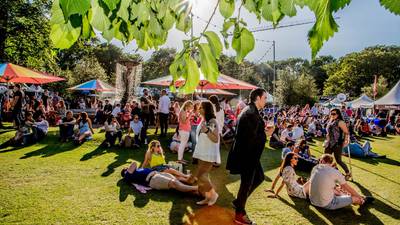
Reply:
x=115, y=111
x=165, y=102
x=298, y=133
x=323, y=182
x=136, y=127
x=286, y=134
x=43, y=125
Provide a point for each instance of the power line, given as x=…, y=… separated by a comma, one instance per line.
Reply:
x=265, y=54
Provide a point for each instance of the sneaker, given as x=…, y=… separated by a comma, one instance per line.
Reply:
x=368, y=200
x=243, y=219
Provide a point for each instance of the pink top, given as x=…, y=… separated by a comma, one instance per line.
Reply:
x=185, y=126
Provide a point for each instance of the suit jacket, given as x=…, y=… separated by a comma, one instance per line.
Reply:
x=249, y=141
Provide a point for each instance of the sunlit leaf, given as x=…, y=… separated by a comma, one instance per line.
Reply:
x=215, y=43
x=123, y=10
x=193, y=76
x=168, y=20
x=63, y=34
x=99, y=19
x=208, y=63
x=243, y=43
x=70, y=7
x=111, y=4
x=391, y=5
x=271, y=12
x=288, y=7
x=226, y=8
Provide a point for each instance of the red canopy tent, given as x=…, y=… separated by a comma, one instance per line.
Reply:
x=17, y=74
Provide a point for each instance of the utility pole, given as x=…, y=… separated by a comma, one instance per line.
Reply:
x=274, y=81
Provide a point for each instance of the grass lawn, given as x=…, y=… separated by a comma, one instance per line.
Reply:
x=54, y=183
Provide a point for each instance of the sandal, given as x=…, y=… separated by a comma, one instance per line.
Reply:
x=348, y=177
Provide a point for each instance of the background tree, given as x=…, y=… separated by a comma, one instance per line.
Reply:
x=381, y=88
x=317, y=70
x=158, y=63
x=356, y=70
x=25, y=30
x=292, y=89
x=87, y=69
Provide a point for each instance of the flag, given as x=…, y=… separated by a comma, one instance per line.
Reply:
x=375, y=88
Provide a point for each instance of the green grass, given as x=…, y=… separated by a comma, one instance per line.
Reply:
x=54, y=183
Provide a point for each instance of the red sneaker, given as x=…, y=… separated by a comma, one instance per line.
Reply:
x=243, y=219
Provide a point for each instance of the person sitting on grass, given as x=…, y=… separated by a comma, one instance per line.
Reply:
x=40, y=128
x=154, y=179
x=176, y=141
x=113, y=131
x=289, y=178
x=329, y=189
x=135, y=127
x=274, y=141
x=23, y=135
x=85, y=128
x=67, y=127
x=156, y=160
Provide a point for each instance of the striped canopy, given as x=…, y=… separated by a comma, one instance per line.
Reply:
x=17, y=74
x=223, y=82
x=93, y=85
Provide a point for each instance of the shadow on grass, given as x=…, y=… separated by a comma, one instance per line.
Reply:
x=181, y=202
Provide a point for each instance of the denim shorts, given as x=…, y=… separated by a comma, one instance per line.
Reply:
x=339, y=202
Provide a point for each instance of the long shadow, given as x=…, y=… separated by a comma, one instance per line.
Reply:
x=376, y=161
x=342, y=216
x=180, y=201
x=378, y=204
x=303, y=207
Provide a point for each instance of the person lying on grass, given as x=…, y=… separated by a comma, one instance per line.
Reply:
x=155, y=158
x=289, y=178
x=329, y=189
x=154, y=179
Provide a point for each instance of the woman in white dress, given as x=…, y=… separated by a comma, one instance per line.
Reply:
x=207, y=152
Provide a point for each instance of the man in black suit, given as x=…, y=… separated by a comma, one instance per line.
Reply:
x=244, y=157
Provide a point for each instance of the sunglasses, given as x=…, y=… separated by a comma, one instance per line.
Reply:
x=333, y=114
x=136, y=118
x=295, y=158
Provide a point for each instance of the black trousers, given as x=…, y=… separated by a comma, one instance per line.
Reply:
x=249, y=181
x=111, y=137
x=163, y=122
x=337, y=152
x=145, y=121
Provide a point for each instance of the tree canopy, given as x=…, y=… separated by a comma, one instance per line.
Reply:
x=149, y=21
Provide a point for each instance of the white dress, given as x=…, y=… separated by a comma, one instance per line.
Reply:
x=293, y=188
x=206, y=150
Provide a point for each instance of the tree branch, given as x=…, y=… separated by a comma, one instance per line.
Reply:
x=209, y=20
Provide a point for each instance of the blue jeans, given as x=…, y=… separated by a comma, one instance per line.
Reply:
x=193, y=136
x=339, y=202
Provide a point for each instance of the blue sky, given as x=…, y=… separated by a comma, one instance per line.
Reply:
x=363, y=23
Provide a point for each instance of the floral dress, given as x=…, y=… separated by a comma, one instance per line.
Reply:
x=293, y=188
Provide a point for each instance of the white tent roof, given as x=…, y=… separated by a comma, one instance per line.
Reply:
x=392, y=97
x=362, y=102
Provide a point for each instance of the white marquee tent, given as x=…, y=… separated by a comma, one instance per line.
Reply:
x=391, y=100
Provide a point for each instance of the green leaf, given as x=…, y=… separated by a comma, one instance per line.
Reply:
x=215, y=43
x=86, y=28
x=114, y=32
x=324, y=27
x=134, y=10
x=111, y=4
x=339, y=4
x=154, y=27
x=226, y=8
x=192, y=76
x=242, y=43
x=63, y=34
x=271, y=12
x=168, y=20
x=143, y=12
x=288, y=7
x=208, y=63
x=184, y=23
x=250, y=5
x=70, y=7
x=227, y=24
x=391, y=5
x=99, y=19
x=123, y=10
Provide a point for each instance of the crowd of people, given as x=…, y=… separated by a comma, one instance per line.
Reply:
x=201, y=126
